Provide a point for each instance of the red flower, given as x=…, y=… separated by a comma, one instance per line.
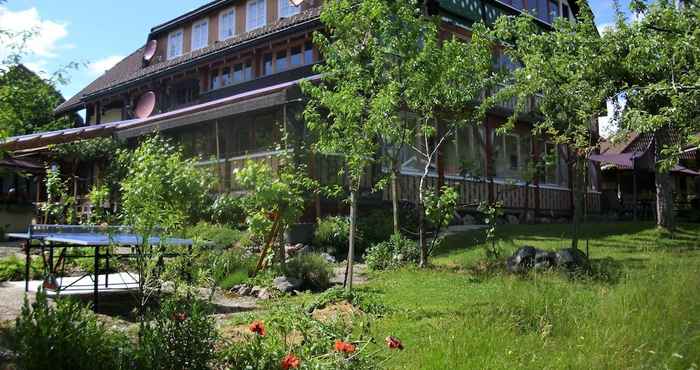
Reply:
x=257, y=327
x=344, y=347
x=290, y=362
x=393, y=343
x=179, y=316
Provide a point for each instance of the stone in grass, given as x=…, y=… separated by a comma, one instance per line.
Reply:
x=571, y=259
x=328, y=257
x=544, y=260
x=264, y=294
x=522, y=260
x=244, y=290
x=287, y=284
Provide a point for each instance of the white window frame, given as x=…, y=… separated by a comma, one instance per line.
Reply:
x=287, y=11
x=170, y=43
x=224, y=13
x=250, y=23
x=198, y=25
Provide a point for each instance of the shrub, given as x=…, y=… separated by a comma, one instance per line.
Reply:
x=12, y=268
x=312, y=269
x=332, y=235
x=226, y=209
x=182, y=336
x=377, y=226
x=218, y=235
x=396, y=252
x=230, y=267
x=66, y=337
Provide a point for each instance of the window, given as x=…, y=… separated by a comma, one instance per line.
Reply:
x=256, y=14
x=225, y=76
x=227, y=24
x=175, y=44
x=295, y=57
x=308, y=53
x=463, y=156
x=215, y=79
x=286, y=9
x=281, y=61
x=200, y=34
x=267, y=65
x=553, y=11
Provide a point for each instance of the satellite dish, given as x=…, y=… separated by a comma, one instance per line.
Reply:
x=145, y=105
x=150, y=51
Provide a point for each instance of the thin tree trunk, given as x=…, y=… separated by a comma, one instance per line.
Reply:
x=351, y=247
x=578, y=188
x=395, y=198
x=421, y=236
x=664, y=201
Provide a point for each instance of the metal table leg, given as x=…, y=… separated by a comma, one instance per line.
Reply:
x=97, y=275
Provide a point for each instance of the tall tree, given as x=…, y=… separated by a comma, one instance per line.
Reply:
x=568, y=70
x=347, y=105
x=659, y=52
x=445, y=93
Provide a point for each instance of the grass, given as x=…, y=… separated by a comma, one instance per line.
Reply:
x=640, y=310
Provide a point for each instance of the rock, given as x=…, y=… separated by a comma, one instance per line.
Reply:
x=287, y=284
x=255, y=291
x=264, y=294
x=328, y=257
x=545, y=220
x=522, y=259
x=513, y=220
x=244, y=290
x=544, y=260
x=6, y=355
x=571, y=259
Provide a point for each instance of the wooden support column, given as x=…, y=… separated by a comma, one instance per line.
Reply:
x=488, y=169
x=98, y=113
x=218, y=157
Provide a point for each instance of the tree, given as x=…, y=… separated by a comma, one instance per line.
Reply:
x=569, y=70
x=348, y=105
x=445, y=92
x=160, y=193
x=658, y=55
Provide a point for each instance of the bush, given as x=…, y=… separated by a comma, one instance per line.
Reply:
x=182, y=336
x=227, y=209
x=218, y=235
x=377, y=226
x=332, y=235
x=312, y=269
x=396, y=252
x=230, y=267
x=66, y=337
x=12, y=268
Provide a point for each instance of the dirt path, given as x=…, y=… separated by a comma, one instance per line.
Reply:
x=359, y=274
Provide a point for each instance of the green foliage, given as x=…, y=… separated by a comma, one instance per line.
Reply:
x=161, y=189
x=440, y=208
x=12, y=268
x=393, y=253
x=59, y=206
x=368, y=303
x=492, y=212
x=332, y=235
x=376, y=226
x=289, y=330
x=99, y=197
x=312, y=269
x=66, y=337
x=269, y=194
x=231, y=267
x=181, y=336
x=218, y=236
x=227, y=209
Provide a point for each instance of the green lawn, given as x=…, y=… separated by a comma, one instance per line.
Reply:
x=641, y=310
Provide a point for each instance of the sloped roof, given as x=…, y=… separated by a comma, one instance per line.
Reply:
x=130, y=69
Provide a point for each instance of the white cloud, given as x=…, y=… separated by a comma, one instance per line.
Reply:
x=45, y=42
x=99, y=67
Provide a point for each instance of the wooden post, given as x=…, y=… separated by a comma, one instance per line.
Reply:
x=218, y=156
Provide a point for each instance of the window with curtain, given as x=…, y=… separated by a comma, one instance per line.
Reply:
x=200, y=34
x=175, y=44
x=227, y=24
x=256, y=14
x=287, y=9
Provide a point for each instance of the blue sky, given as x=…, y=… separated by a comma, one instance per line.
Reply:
x=101, y=32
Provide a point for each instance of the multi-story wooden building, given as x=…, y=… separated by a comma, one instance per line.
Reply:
x=223, y=81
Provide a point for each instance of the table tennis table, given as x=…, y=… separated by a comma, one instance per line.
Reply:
x=100, y=238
